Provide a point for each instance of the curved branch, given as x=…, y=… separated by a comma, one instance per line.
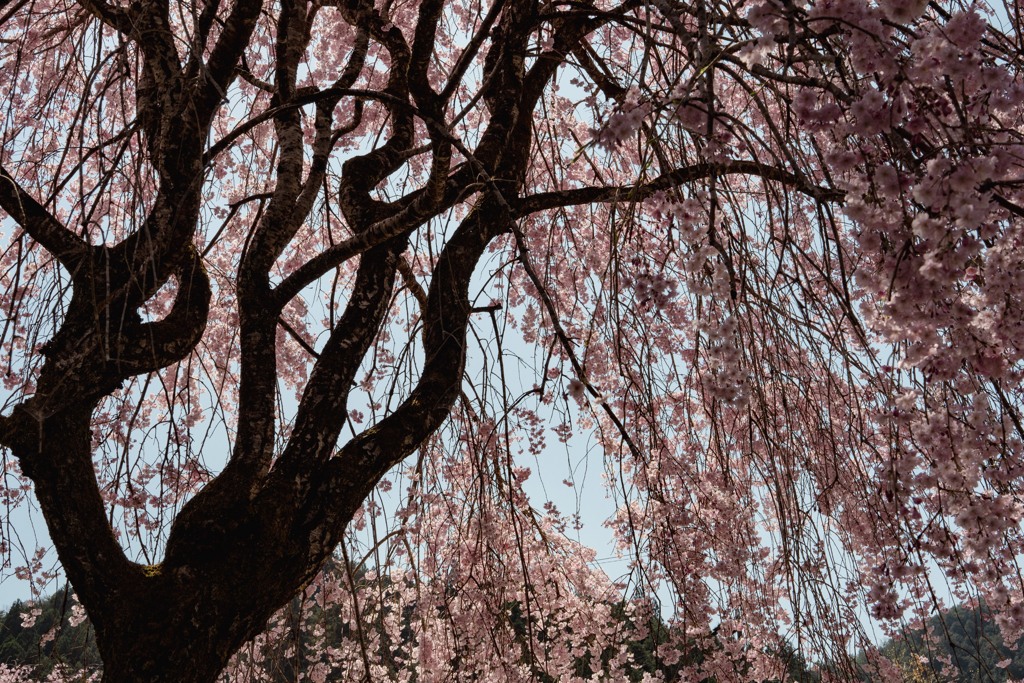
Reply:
x=471, y=50
x=158, y=344
x=55, y=452
x=323, y=409
x=361, y=173
x=67, y=247
x=363, y=460
x=114, y=17
x=426, y=204
x=587, y=195
x=226, y=53
x=420, y=58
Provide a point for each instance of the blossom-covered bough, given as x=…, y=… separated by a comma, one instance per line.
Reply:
x=275, y=271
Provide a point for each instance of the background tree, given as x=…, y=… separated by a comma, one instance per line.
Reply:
x=958, y=645
x=763, y=257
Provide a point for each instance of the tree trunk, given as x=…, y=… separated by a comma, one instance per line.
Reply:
x=225, y=573
x=130, y=662
x=163, y=635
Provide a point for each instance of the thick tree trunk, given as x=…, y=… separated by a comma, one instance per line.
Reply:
x=226, y=571
x=162, y=634
x=152, y=644
x=250, y=539
x=127, y=661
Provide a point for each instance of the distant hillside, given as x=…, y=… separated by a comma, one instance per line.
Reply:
x=48, y=640
x=36, y=644
x=964, y=647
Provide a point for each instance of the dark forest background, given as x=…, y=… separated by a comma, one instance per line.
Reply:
x=965, y=648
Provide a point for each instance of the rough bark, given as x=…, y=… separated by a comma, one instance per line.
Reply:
x=257, y=534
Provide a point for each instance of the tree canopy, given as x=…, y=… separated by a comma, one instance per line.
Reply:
x=309, y=279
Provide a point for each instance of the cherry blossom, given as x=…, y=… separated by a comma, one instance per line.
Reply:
x=336, y=333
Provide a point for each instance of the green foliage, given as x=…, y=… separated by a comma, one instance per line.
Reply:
x=798, y=669
x=32, y=645
x=307, y=626
x=960, y=646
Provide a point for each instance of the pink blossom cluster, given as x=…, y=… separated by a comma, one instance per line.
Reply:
x=653, y=289
x=805, y=319
x=24, y=674
x=623, y=122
